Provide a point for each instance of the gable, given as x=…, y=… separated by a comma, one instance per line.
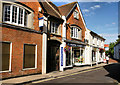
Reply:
x=67, y=10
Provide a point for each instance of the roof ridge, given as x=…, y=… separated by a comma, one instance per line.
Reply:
x=54, y=9
x=67, y=4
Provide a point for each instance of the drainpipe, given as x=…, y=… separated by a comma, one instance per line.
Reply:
x=44, y=45
x=62, y=53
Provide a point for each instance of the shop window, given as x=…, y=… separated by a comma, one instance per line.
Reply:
x=29, y=56
x=15, y=15
x=5, y=56
x=78, y=55
x=68, y=58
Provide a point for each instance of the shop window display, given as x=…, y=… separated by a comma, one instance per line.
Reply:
x=78, y=55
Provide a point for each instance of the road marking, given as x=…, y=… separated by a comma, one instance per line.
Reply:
x=67, y=75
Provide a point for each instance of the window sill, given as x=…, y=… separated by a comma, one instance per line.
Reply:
x=55, y=34
x=76, y=38
x=5, y=71
x=12, y=26
x=29, y=69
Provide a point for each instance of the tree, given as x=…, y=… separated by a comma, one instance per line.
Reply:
x=111, y=49
x=117, y=41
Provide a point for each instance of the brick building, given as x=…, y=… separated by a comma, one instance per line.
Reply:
x=74, y=34
x=21, y=38
x=39, y=37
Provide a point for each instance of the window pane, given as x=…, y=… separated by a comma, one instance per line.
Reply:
x=5, y=56
x=14, y=14
x=52, y=27
x=76, y=32
x=25, y=18
x=29, y=56
x=7, y=13
x=20, y=19
x=56, y=28
x=72, y=32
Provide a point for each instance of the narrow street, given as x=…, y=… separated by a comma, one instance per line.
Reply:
x=109, y=74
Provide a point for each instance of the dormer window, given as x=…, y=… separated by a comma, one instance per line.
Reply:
x=76, y=14
x=15, y=15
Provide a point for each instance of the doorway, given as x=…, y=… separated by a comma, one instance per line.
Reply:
x=53, y=54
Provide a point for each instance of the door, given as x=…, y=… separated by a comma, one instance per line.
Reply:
x=53, y=53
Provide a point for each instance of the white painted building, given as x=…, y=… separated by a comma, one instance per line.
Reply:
x=94, y=51
x=117, y=51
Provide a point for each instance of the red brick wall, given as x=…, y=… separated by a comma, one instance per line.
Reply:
x=18, y=39
x=78, y=22
x=34, y=5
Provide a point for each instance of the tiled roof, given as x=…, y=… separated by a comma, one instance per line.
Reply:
x=50, y=9
x=97, y=35
x=65, y=9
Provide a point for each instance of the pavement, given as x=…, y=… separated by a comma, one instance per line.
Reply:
x=37, y=77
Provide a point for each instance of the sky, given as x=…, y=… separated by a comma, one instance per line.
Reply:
x=100, y=17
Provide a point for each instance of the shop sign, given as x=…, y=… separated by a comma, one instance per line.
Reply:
x=74, y=45
x=41, y=21
x=61, y=56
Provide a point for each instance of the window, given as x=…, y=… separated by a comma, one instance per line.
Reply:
x=5, y=56
x=29, y=56
x=54, y=27
x=74, y=32
x=15, y=15
x=76, y=14
x=78, y=55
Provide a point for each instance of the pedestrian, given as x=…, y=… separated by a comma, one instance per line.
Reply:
x=107, y=59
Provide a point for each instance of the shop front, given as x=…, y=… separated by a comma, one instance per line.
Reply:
x=101, y=51
x=68, y=52
x=76, y=55
x=94, y=53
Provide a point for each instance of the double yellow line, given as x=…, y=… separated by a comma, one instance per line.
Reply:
x=67, y=75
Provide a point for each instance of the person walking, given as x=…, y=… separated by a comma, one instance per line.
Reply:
x=107, y=59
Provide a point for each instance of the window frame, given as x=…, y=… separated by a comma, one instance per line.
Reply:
x=54, y=28
x=10, y=59
x=76, y=14
x=35, y=56
x=75, y=32
x=11, y=15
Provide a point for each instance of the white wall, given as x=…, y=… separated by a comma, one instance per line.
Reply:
x=116, y=51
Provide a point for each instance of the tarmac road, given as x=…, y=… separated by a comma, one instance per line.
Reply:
x=109, y=74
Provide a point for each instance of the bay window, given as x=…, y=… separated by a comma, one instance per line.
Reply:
x=15, y=15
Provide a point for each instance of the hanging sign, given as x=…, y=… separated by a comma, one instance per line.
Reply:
x=41, y=21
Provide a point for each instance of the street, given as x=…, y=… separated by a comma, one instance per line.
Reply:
x=109, y=74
